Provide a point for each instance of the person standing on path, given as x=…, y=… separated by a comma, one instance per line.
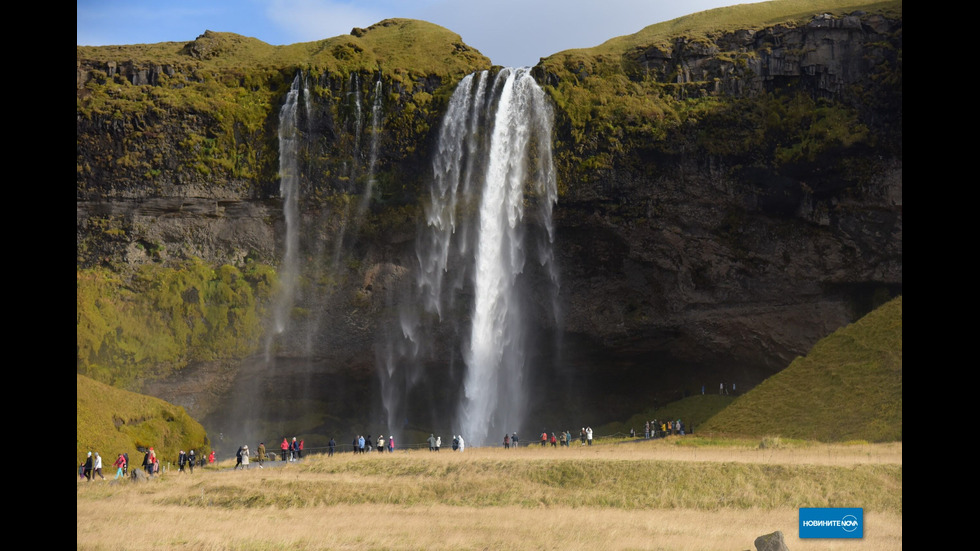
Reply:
x=261, y=456
x=588, y=434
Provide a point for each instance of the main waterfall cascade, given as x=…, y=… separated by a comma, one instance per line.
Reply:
x=492, y=163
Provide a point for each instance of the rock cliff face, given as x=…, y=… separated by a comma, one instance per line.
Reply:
x=715, y=253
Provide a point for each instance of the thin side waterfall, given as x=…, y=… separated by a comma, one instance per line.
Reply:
x=289, y=140
x=373, y=160
x=492, y=163
x=355, y=93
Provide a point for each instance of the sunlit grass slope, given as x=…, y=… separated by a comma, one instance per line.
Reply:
x=111, y=421
x=397, y=46
x=739, y=17
x=849, y=387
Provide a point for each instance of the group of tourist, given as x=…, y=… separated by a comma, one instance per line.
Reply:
x=660, y=429
x=291, y=451
x=364, y=445
x=563, y=438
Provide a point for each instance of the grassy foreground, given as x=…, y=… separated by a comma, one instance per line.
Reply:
x=637, y=495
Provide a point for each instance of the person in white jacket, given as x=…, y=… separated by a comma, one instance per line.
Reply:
x=97, y=466
x=460, y=442
x=588, y=434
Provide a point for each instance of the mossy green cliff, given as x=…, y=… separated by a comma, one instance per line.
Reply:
x=730, y=192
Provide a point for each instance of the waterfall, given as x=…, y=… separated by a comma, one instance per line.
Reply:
x=373, y=160
x=289, y=139
x=492, y=161
x=355, y=93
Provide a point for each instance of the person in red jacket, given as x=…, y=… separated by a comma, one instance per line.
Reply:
x=285, y=449
x=120, y=464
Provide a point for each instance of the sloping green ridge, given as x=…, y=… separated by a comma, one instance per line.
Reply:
x=741, y=17
x=111, y=421
x=405, y=46
x=849, y=387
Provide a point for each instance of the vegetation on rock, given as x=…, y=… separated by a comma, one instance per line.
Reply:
x=133, y=329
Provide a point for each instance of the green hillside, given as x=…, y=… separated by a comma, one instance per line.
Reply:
x=849, y=387
x=111, y=421
x=405, y=47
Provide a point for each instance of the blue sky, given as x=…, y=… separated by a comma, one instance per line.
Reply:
x=510, y=32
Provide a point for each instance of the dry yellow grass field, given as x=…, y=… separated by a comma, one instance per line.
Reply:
x=645, y=495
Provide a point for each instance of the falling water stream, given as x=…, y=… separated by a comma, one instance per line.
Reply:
x=289, y=140
x=492, y=162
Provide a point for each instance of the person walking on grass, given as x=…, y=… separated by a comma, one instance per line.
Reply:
x=191, y=459
x=261, y=456
x=181, y=461
x=245, y=456
x=97, y=467
x=89, y=462
x=120, y=466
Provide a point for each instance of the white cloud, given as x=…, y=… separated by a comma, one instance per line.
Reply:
x=310, y=20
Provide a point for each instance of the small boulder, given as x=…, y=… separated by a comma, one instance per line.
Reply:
x=771, y=542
